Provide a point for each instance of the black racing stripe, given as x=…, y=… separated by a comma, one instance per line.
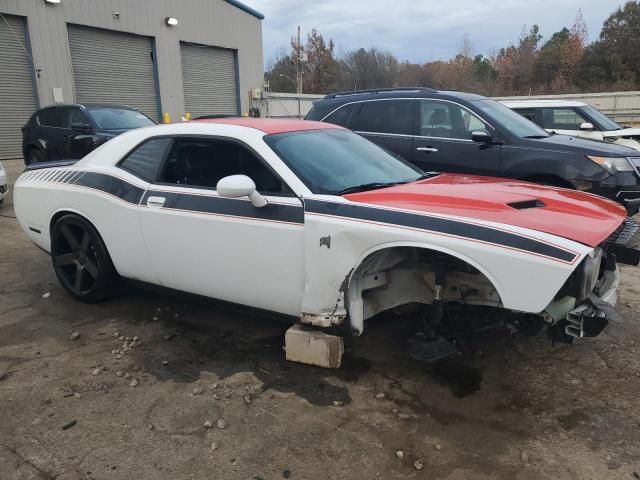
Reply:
x=113, y=185
x=441, y=225
x=228, y=206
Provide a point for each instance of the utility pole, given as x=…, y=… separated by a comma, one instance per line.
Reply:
x=298, y=61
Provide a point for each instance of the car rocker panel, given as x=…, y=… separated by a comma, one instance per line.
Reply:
x=340, y=259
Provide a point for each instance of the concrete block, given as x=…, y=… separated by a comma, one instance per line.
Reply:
x=313, y=347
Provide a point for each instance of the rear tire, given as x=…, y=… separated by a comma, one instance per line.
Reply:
x=33, y=156
x=81, y=260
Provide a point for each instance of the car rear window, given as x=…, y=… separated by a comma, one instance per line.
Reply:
x=341, y=115
x=386, y=116
x=52, y=117
x=145, y=161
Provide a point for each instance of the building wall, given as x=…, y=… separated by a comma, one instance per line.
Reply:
x=207, y=22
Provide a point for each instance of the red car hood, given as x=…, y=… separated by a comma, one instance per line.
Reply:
x=578, y=216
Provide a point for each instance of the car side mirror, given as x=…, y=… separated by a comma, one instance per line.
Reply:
x=237, y=186
x=81, y=127
x=586, y=126
x=481, y=136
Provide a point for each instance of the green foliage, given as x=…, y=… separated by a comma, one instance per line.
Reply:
x=565, y=62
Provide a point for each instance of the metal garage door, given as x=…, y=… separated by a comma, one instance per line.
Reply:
x=209, y=80
x=17, y=95
x=113, y=67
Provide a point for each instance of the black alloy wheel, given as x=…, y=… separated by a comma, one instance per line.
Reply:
x=80, y=259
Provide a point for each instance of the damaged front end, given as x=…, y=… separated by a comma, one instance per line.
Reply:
x=586, y=303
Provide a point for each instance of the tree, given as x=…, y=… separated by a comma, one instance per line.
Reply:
x=613, y=61
x=565, y=62
x=320, y=70
x=515, y=63
x=621, y=38
x=281, y=73
x=370, y=68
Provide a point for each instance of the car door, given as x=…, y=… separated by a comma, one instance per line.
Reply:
x=387, y=123
x=443, y=140
x=220, y=247
x=52, y=131
x=77, y=142
x=567, y=121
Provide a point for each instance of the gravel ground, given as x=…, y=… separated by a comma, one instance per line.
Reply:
x=91, y=407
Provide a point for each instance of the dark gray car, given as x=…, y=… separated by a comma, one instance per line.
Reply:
x=467, y=133
x=69, y=132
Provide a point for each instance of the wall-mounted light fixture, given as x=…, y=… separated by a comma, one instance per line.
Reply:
x=51, y=1
x=171, y=21
x=116, y=15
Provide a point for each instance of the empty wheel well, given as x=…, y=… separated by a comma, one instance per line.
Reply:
x=396, y=276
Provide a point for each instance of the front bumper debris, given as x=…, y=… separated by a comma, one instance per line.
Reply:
x=591, y=317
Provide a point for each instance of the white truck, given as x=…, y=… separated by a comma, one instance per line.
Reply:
x=568, y=117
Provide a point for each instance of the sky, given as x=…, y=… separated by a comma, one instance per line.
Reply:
x=422, y=30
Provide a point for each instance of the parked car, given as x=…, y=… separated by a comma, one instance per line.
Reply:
x=466, y=133
x=4, y=187
x=580, y=119
x=69, y=132
x=314, y=222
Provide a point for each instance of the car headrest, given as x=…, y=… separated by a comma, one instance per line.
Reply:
x=192, y=161
x=438, y=117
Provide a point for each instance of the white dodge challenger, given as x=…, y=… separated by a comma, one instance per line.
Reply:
x=312, y=221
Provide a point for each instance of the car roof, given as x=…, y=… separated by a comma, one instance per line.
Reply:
x=91, y=104
x=271, y=126
x=542, y=103
x=411, y=92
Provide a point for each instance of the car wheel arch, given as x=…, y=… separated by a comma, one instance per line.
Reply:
x=550, y=180
x=353, y=285
x=34, y=146
x=62, y=212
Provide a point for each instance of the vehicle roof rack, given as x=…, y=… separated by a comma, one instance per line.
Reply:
x=380, y=90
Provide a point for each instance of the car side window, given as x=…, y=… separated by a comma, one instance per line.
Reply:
x=52, y=117
x=145, y=161
x=528, y=113
x=341, y=115
x=75, y=115
x=202, y=162
x=447, y=120
x=562, y=119
x=386, y=116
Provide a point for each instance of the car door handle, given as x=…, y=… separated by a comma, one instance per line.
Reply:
x=155, y=202
x=427, y=149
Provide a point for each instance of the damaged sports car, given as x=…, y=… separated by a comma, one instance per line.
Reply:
x=314, y=222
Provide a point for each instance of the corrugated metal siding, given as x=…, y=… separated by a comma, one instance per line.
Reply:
x=209, y=80
x=17, y=96
x=113, y=67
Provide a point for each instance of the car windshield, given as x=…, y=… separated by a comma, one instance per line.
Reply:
x=515, y=123
x=601, y=120
x=337, y=161
x=110, y=118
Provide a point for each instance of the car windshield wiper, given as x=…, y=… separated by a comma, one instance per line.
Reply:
x=366, y=186
x=536, y=136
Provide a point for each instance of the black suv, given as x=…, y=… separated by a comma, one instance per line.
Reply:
x=467, y=133
x=69, y=132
